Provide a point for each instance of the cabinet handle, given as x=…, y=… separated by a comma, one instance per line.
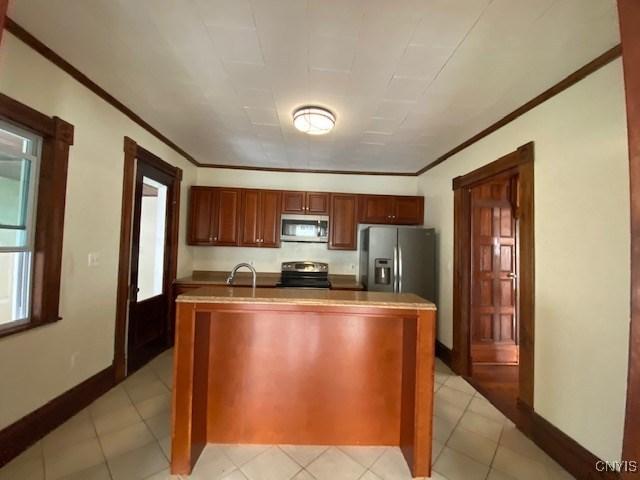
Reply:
x=215, y=239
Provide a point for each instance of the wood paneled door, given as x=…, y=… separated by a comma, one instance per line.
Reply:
x=494, y=327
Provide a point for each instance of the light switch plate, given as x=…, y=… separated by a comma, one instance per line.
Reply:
x=93, y=259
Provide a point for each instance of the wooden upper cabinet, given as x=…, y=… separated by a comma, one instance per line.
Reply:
x=303, y=203
x=201, y=210
x=227, y=216
x=294, y=202
x=408, y=210
x=391, y=210
x=343, y=219
x=375, y=209
x=317, y=203
x=250, y=218
x=260, y=218
x=270, y=202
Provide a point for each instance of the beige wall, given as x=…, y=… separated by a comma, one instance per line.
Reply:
x=38, y=365
x=269, y=259
x=582, y=252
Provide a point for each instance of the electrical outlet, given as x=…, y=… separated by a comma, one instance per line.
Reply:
x=353, y=267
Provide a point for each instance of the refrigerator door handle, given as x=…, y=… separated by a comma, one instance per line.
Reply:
x=399, y=270
x=395, y=269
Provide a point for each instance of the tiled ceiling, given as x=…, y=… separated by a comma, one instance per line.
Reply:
x=407, y=79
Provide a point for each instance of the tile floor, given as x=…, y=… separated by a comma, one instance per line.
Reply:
x=124, y=435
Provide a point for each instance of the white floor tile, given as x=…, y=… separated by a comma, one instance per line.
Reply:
x=115, y=399
x=72, y=459
x=446, y=410
x=516, y=441
x=369, y=475
x=334, y=464
x=473, y=445
x=272, y=464
x=160, y=425
x=75, y=430
x=98, y=472
x=456, y=466
x=489, y=429
x=442, y=429
x=304, y=475
x=496, y=475
x=453, y=397
x=392, y=466
x=154, y=406
x=116, y=419
x=241, y=454
x=213, y=464
x=303, y=454
x=518, y=466
x=164, y=475
x=147, y=390
x=460, y=384
x=29, y=464
x=138, y=464
x=365, y=456
x=483, y=407
x=124, y=440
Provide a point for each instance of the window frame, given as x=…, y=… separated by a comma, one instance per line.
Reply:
x=56, y=138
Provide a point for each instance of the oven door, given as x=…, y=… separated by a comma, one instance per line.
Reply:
x=304, y=228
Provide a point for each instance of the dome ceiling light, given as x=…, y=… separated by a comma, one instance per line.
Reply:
x=313, y=120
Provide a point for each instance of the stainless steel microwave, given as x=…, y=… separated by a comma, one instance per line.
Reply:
x=304, y=228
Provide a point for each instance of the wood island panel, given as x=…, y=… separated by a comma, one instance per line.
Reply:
x=282, y=372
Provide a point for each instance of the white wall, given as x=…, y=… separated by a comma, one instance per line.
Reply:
x=38, y=365
x=582, y=252
x=269, y=259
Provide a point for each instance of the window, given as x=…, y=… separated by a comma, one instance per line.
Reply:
x=34, y=154
x=19, y=166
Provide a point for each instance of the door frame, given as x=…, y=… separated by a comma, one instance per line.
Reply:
x=132, y=153
x=521, y=163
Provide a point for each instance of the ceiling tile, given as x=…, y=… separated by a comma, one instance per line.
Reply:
x=407, y=79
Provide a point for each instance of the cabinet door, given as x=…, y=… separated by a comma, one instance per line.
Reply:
x=250, y=218
x=270, y=202
x=408, y=210
x=343, y=222
x=201, y=216
x=227, y=216
x=293, y=202
x=376, y=209
x=317, y=203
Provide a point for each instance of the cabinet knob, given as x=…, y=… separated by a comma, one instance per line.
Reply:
x=215, y=239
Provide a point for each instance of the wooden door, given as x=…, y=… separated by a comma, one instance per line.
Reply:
x=227, y=216
x=376, y=209
x=294, y=202
x=317, y=203
x=250, y=218
x=270, y=202
x=343, y=222
x=494, y=323
x=408, y=210
x=201, y=212
x=153, y=212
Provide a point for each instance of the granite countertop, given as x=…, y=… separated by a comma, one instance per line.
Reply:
x=296, y=296
x=243, y=279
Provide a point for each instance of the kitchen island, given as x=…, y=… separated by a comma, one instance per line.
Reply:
x=306, y=367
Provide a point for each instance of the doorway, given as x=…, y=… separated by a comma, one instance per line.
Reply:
x=148, y=258
x=494, y=279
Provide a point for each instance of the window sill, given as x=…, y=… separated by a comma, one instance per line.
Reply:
x=24, y=325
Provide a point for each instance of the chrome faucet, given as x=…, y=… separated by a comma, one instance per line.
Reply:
x=236, y=268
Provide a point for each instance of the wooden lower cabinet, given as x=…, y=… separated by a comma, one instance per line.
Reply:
x=343, y=222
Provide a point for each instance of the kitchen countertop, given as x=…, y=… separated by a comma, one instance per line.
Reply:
x=308, y=297
x=264, y=280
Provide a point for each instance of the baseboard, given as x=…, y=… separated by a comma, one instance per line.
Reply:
x=20, y=435
x=444, y=353
x=576, y=459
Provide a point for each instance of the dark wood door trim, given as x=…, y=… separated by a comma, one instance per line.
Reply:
x=4, y=4
x=629, y=15
x=132, y=153
x=521, y=163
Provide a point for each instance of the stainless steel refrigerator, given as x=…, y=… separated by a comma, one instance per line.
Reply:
x=399, y=259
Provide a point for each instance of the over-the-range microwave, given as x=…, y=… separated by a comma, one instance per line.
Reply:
x=304, y=228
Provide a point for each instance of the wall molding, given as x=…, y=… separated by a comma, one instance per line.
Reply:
x=30, y=40
x=444, y=353
x=23, y=433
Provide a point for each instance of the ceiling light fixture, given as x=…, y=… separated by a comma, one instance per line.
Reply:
x=314, y=120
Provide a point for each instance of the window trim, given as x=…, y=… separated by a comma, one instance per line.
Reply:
x=57, y=137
